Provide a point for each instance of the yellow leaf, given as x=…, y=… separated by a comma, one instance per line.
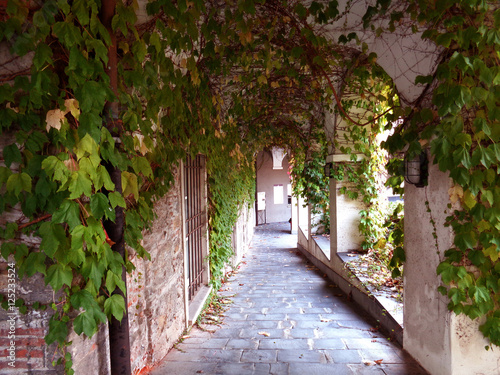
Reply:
x=262, y=79
x=245, y=38
x=72, y=106
x=469, y=199
x=456, y=193
x=129, y=185
x=275, y=84
x=140, y=145
x=483, y=225
x=491, y=252
x=264, y=334
x=54, y=119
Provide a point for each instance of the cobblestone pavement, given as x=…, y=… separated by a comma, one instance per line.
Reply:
x=286, y=318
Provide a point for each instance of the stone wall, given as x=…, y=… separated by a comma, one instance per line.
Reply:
x=156, y=301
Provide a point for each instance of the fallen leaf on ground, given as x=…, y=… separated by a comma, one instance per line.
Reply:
x=369, y=363
x=325, y=320
x=378, y=361
x=264, y=334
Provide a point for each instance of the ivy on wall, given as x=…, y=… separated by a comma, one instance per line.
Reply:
x=224, y=80
x=461, y=128
x=310, y=182
x=191, y=78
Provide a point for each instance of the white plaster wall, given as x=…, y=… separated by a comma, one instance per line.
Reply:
x=469, y=355
x=344, y=219
x=243, y=233
x=443, y=343
x=426, y=317
x=267, y=177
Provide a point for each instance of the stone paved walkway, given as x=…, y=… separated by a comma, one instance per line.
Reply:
x=286, y=318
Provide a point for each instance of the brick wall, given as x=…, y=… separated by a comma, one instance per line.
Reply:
x=22, y=336
x=24, y=333
x=156, y=307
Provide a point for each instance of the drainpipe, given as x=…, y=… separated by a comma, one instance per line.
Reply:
x=119, y=343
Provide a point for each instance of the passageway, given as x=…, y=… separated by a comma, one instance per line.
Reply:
x=286, y=318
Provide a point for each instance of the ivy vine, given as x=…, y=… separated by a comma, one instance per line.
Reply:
x=224, y=80
x=461, y=128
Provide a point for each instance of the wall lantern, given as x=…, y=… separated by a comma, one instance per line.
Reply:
x=416, y=171
x=328, y=169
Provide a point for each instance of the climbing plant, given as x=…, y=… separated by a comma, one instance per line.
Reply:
x=223, y=79
x=307, y=169
x=369, y=97
x=460, y=128
x=97, y=107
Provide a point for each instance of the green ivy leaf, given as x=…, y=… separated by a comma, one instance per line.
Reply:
x=456, y=295
x=469, y=199
x=79, y=185
x=116, y=199
x=68, y=212
x=7, y=249
x=81, y=9
x=11, y=154
x=115, y=306
x=68, y=33
x=58, y=331
x=113, y=280
x=465, y=240
x=447, y=272
x=480, y=294
x=92, y=96
x=43, y=55
x=93, y=270
x=18, y=182
x=4, y=174
x=99, y=205
x=55, y=168
x=52, y=236
x=85, y=323
x=58, y=275
x=35, y=262
x=129, y=184
x=445, y=39
x=20, y=252
x=86, y=165
x=141, y=165
x=88, y=146
x=82, y=298
x=105, y=178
